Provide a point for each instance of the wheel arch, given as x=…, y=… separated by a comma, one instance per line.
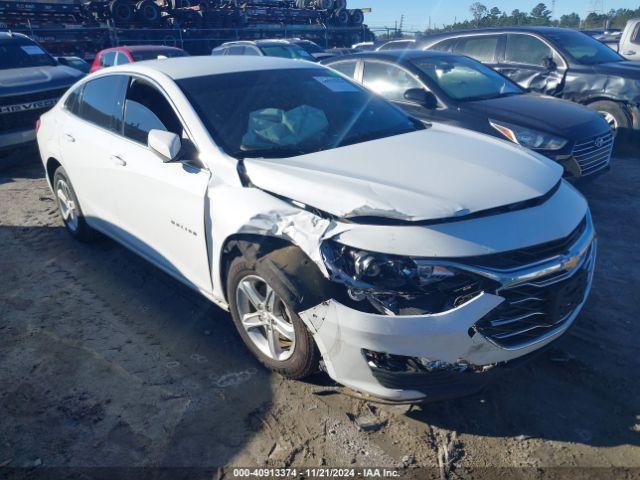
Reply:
x=51, y=166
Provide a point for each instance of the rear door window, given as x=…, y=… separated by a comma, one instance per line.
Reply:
x=445, y=45
x=102, y=101
x=237, y=50
x=346, y=68
x=526, y=50
x=481, y=47
x=71, y=103
x=108, y=59
x=122, y=59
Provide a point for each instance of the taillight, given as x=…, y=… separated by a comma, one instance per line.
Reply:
x=37, y=125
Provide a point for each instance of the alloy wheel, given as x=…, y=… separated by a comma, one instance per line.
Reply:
x=67, y=205
x=265, y=318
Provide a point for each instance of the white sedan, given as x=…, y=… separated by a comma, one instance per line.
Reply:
x=414, y=260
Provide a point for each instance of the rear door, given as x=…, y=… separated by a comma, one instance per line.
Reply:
x=161, y=206
x=92, y=117
x=532, y=63
x=484, y=48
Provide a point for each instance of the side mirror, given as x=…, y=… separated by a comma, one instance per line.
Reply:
x=421, y=97
x=165, y=144
x=550, y=64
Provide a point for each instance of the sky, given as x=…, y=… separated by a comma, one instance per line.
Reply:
x=417, y=12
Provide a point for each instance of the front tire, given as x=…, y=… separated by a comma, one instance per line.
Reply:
x=264, y=312
x=69, y=207
x=615, y=115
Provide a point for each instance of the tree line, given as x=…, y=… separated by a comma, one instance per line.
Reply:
x=483, y=16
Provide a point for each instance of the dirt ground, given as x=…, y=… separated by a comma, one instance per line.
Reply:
x=106, y=361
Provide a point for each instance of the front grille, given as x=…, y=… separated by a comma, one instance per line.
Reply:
x=25, y=118
x=525, y=256
x=594, y=154
x=534, y=309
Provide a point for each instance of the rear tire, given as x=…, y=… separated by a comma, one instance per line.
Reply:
x=298, y=361
x=69, y=207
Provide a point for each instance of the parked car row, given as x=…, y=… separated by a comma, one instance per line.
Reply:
x=554, y=61
x=411, y=260
x=457, y=90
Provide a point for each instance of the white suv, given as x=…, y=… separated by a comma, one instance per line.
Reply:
x=409, y=261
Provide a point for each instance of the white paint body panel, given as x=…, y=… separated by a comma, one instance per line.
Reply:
x=439, y=173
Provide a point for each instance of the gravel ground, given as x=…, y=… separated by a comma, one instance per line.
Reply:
x=106, y=361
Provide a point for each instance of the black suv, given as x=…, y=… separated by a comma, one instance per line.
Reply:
x=555, y=61
x=31, y=82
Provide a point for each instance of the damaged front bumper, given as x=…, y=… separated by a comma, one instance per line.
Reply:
x=454, y=353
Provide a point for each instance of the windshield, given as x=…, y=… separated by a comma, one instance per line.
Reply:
x=464, y=79
x=583, y=48
x=286, y=51
x=21, y=53
x=285, y=113
x=153, y=54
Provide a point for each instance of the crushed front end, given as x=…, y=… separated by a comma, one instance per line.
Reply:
x=410, y=329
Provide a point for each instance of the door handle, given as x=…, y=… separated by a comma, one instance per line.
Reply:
x=69, y=138
x=630, y=52
x=118, y=160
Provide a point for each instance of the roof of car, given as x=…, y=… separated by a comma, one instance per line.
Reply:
x=7, y=35
x=262, y=42
x=393, y=55
x=139, y=48
x=199, y=66
x=527, y=29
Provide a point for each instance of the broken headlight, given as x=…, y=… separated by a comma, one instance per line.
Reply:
x=529, y=138
x=398, y=285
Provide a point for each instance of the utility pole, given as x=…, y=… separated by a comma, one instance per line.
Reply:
x=401, y=23
x=553, y=9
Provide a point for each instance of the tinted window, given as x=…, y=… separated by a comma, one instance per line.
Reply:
x=237, y=50
x=388, y=80
x=21, y=53
x=462, y=78
x=482, y=48
x=397, y=45
x=122, y=59
x=147, y=109
x=527, y=49
x=108, y=59
x=582, y=48
x=445, y=45
x=346, y=68
x=71, y=103
x=285, y=113
x=253, y=51
x=635, y=38
x=286, y=51
x=102, y=101
x=153, y=54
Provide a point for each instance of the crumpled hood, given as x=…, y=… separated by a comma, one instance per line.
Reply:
x=19, y=81
x=438, y=173
x=542, y=113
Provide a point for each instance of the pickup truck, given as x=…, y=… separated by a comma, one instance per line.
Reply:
x=31, y=82
x=630, y=40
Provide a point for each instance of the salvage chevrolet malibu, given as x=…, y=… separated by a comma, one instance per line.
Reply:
x=410, y=261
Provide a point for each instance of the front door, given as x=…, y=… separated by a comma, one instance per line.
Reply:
x=532, y=64
x=162, y=205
